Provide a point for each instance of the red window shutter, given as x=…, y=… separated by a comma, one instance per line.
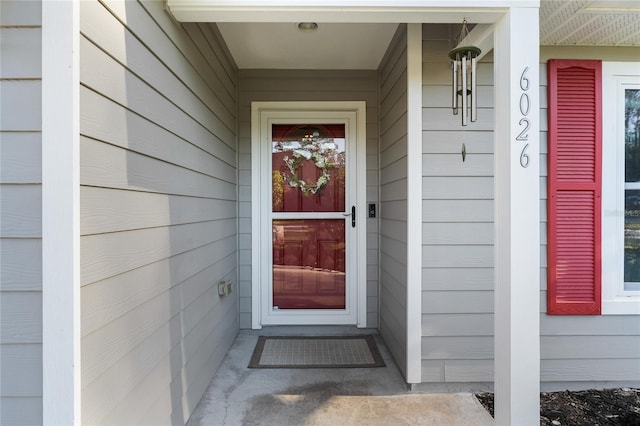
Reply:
x=574, y=187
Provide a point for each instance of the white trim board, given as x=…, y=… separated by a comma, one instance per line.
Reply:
x=61, y=367
x=260, y=200
x=414, y=203
x=517, y=219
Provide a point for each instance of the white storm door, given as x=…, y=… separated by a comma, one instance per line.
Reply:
x=310, y=218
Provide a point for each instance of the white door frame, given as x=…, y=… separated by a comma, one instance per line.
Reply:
x=262, y=115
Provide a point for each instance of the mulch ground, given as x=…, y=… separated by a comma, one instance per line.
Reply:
x=619, y=407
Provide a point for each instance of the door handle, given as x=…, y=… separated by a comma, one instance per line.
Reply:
x=353, y=216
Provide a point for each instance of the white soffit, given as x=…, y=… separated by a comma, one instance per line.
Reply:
x=590, y=22
x=284, y=46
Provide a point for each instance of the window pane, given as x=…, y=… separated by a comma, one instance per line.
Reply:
x=632, y=196
x=309, y=264
x=632, y=134
x=308, y=167
x=632, y=240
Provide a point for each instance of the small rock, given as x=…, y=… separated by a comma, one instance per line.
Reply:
x=555, y=422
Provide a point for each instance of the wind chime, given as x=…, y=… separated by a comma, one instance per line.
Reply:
x=464, y=77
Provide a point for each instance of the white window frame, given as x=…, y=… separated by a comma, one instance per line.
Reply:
x=616, y=77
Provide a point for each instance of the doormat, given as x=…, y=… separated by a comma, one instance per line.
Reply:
x=316, y=352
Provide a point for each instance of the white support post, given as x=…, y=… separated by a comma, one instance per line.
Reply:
x=517, y=218
x=414, y=202
x=60, y=213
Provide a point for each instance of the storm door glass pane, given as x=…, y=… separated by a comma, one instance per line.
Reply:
x=632, y=190
x=309, y=264
x=308, y=167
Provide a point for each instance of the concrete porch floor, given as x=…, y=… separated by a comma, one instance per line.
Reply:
x=238, y=395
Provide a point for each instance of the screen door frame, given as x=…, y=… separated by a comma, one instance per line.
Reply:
x=264, y=115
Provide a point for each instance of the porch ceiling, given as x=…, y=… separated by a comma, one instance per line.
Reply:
x=284, y=46
x=360, y=39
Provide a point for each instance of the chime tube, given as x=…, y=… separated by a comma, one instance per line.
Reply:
x=464, y=90
x=454, y=99
x=474, y=101
x=464, y=78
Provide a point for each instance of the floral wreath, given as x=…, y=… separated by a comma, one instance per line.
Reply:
x=294, y=163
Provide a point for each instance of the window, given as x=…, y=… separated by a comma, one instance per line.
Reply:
x=621, y=188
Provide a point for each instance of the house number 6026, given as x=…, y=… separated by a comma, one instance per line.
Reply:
x=524, y=121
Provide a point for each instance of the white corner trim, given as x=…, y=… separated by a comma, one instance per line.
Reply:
x=256, y=261
x=414, y=203
x=361, y=199
x=60, y=213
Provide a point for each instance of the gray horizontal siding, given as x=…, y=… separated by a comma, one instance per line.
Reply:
x=158, y=172
x=392, y=77
x=20, y=213
x=21, y=264
x=457, y=252
x=18, y=13
x=306, y=85
x=558, y=372
x=21, y=209
x=21, y=159
x=21, y=52
x=21, y=105
x=457, y=300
